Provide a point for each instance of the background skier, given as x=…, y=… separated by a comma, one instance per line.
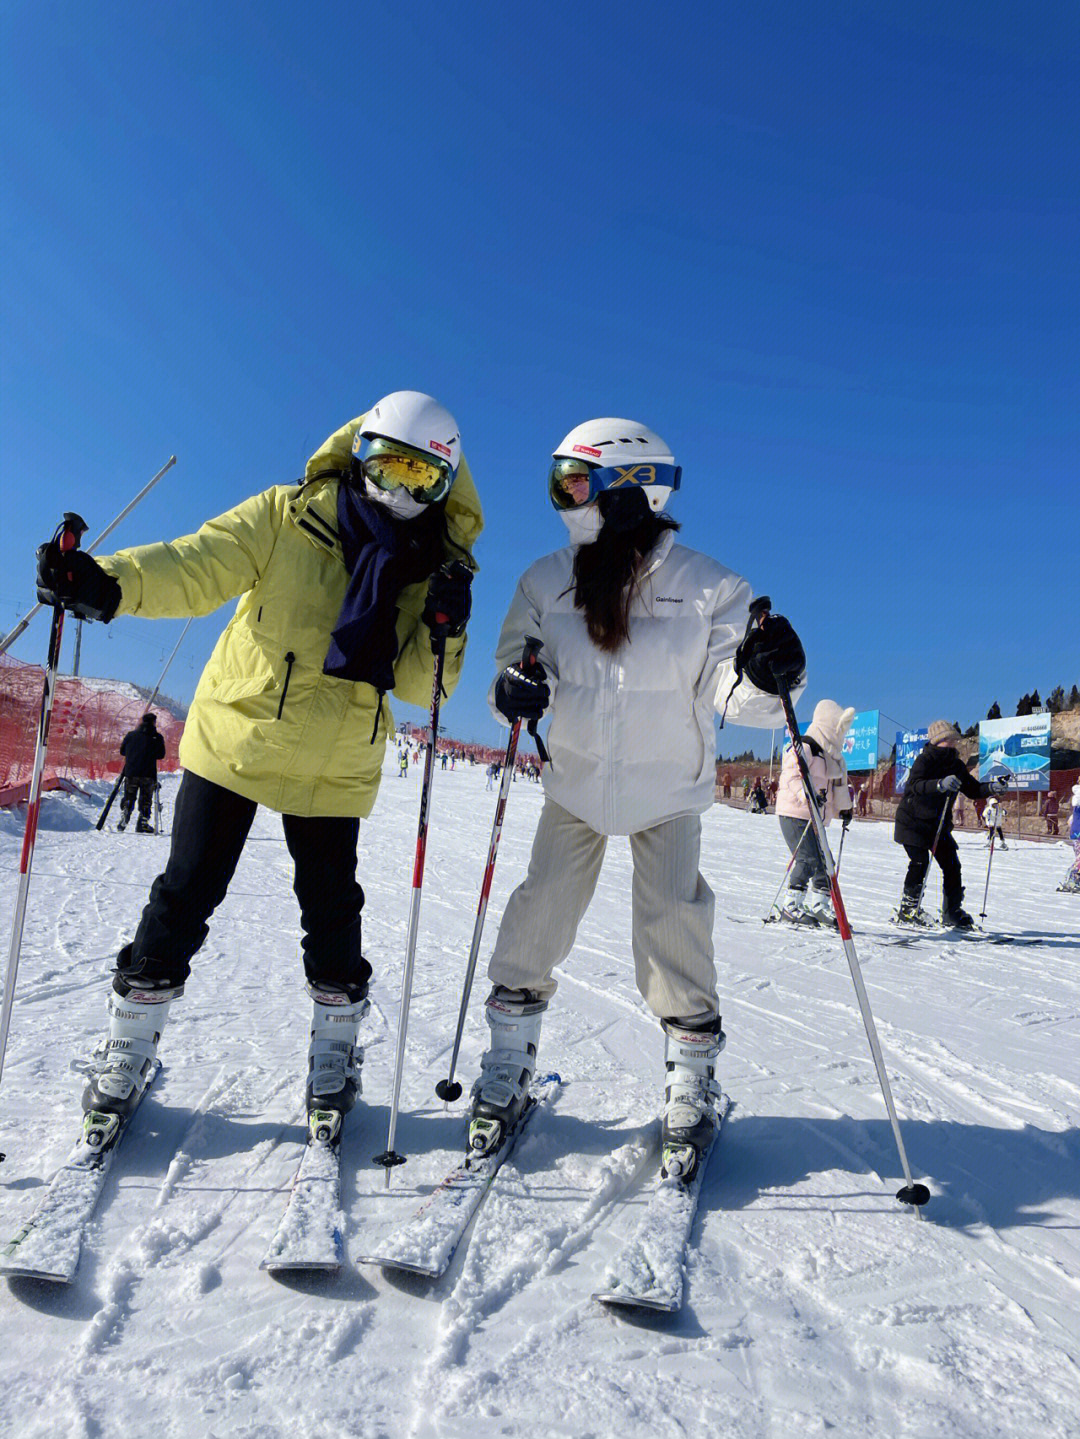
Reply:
x=936, y=776
x=823, y=746
x=344, y=581
x=1071, y=883
x=141, y=747
x=641, y=646
x=994, y=820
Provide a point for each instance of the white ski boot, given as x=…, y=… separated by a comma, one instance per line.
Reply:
x=911, y=912
x=820, y=909
x=121, y=1064
x=334, y=1059
x=794, y=909
x=506, y=1069
x=690, y=1115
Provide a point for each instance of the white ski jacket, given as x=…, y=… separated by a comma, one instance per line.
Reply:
x=631, y=738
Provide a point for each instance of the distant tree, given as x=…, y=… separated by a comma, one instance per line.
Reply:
x=1074, y=698
x=994, y=712
x=1056, y=701
x=1023, y=705
x=1036, y=702
x=956, y=727
x=971, y=731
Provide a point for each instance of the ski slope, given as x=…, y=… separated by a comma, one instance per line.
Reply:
x=815, y=1303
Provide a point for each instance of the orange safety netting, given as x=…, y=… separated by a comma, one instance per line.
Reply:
x=88, y=722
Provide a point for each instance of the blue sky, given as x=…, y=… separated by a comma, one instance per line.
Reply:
x=828, y=251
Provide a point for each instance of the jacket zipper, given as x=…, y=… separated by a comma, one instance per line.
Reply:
x=290, y=660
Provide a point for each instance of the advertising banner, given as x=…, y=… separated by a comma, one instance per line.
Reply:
x=909, y=742
x=861, y=741
x=1018, y=748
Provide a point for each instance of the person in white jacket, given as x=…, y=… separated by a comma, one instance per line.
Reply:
x=643, y=641
x=823, y=745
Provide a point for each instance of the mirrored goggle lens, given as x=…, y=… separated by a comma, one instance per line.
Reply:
x=391, y=469
x=570, y=484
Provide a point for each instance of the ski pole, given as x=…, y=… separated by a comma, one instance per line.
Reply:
x=791, y=861
x=67, y=536
x=389, y=1158
x=840, y=851
x=933, y=850
x=103, y=816
x=448, y=1089
x=989, y=862
x=910, y=1193
x=9, y=639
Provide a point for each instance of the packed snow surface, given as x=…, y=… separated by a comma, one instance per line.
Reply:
x=815, y=1302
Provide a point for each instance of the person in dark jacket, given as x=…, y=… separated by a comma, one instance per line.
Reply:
x=936, y=777
x=141, y=747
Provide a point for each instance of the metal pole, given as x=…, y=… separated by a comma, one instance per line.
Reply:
x=10, y=638
x=78, y=648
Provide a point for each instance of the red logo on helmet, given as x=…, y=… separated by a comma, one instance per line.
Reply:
x=442, y=449
x=588, y=450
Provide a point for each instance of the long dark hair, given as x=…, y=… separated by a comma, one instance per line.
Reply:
x=605, y=575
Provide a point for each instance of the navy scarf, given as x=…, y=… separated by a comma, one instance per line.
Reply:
x=383, y=555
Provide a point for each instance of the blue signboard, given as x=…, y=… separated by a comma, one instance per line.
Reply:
x=909, y=744
x=1018, y=748
x=861, y=741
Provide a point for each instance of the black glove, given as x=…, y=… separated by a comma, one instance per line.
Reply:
x=846, y=816
x=772, y=651
x=950, y=784
x=76, y=582
x=449, y=600
x=522, y=696
x=998, y=785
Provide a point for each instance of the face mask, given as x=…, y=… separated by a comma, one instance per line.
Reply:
x=583, y=524
x=399, y=502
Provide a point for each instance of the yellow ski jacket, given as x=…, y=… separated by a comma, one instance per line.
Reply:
x=265, y=721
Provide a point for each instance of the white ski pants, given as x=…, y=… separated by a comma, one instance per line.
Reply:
x=672, y=910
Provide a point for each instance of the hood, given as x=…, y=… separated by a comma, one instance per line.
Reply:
x=829, y=726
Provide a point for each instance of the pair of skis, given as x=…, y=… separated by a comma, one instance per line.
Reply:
x=647, y=1273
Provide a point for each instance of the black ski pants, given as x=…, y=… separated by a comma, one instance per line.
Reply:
x=140, y=787
x=949, y=860
x=210, y=826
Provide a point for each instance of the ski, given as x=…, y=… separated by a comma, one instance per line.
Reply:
x=428, y=1240
x=648, y=1272
x=48, y=1245
x=934, y=930
x=310, y=1233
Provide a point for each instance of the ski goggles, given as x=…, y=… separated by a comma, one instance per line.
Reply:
x=392, y=466
x=573, y=483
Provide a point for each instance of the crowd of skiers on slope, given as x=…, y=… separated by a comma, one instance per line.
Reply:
x=348, y=583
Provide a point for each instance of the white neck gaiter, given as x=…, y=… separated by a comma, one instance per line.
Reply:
x=583, y=524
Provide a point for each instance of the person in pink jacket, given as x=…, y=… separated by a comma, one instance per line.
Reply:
x=823, y=745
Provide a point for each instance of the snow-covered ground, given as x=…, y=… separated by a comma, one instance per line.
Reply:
x=815, y=1302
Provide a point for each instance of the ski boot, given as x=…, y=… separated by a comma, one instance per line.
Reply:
x=690, y=1117
x=1069, y=885
x=334, y=1058
x=121, y=1063
x=911, y=912
x=143, y=826
x=794, y=910
x=506, y=1069
x=122, y=822
x=819, y=907
x=953, y=914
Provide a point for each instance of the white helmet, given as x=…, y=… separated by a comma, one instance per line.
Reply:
x=619, y=453
x=415, y=420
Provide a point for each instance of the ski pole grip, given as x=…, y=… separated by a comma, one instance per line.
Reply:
x=71, y=531
x=531, y=653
